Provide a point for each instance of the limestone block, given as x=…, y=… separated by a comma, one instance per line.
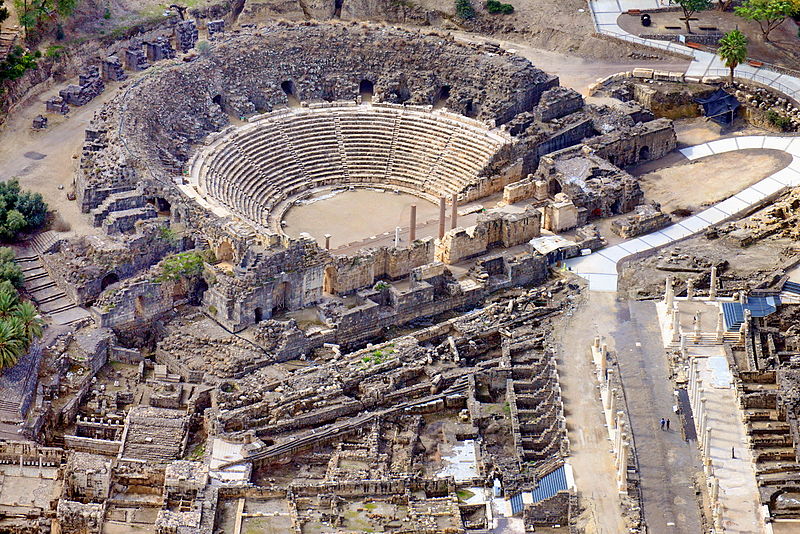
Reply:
x=646, y=74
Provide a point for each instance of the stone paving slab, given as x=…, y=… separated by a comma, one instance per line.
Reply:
x=750, y=195
x=750, y=141
x=732, y=205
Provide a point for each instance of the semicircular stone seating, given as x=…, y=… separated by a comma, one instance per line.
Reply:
x=254, y=169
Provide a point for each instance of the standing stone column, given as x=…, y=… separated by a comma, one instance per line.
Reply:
x=720, y=327
x=612, y=401
x=442, y=211
x=622, y=471
x=690, y=289
x=698, y=318
x=712, y=291
x=327, y=241
x=412, y=232
x=454, y=212
x=669, y=293
x=603, y=366
x=703, y=415
x=676, y=325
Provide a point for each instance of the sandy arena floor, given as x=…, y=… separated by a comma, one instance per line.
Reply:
x=355, y=215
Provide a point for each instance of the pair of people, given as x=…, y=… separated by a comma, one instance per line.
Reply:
x=664, y=424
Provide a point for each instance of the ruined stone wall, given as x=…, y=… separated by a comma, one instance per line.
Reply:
x=138, y=302
x=643, y=142
x=492, y=229
x=552, y=511
x=252, y=72
x=80, y=265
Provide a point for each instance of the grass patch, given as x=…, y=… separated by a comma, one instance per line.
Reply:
x=464, y=495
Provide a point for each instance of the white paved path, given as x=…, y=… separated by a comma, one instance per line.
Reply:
x=600, y=268
x=606, y=13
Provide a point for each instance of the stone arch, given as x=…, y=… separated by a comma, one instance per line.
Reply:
x=329, y=280
x=163, y=205
x=288, y=88
x=367, y=90
x=553, y=187
x=225, y=251
x=644, y=153
x=280, y=297
x=217, y=99
x=441, y=96
x=109, y=279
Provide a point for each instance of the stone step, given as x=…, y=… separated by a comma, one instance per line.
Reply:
x=120, y=201
x=124, y=220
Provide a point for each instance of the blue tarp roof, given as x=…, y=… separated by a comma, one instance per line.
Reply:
x=719, y=106
x=550, y=484
x=758, y=306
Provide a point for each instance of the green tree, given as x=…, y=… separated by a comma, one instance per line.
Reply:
x=769, y=14
x=32, y=323
x=12, y=343
x=733, y=50
x=17, y=63
x=4, y=14
x=465, y=10
x=33, y=207
x=690, y=7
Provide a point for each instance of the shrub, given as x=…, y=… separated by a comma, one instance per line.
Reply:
x=184, y=265
x=778, y=120
x=494, y=6
x=20, y=211
x=464, y=9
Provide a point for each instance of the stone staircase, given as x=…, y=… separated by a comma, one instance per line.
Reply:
x=123, y=221
x=123, y=200
x=48, y=297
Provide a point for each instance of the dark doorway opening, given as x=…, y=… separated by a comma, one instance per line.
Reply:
x=553, y=188
x=290, y=91
x=258, y=315
x=644, y=153
x=109, y=279
x=441, y=97
x=366, y=89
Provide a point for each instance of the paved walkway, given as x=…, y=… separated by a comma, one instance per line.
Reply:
x=600, y=268
x=606, y=12
x=738, y=490
x=667, y=463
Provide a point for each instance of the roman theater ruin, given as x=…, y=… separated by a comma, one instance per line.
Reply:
x=306, y=271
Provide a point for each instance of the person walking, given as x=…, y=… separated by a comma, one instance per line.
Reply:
x=663, y=423
x=667, y=424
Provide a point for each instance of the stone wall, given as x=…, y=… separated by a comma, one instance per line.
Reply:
x=643, y=142
x=492, y=229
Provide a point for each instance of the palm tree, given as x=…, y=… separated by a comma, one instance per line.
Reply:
x=32, y=323
x=733, y=50
x=12, y=344
x=8, y=303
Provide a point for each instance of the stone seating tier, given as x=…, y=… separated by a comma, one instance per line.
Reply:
x=252, y=169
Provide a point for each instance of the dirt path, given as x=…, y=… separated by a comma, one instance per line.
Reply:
x=574, y=71
x=45, y=161
x=590, y=454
